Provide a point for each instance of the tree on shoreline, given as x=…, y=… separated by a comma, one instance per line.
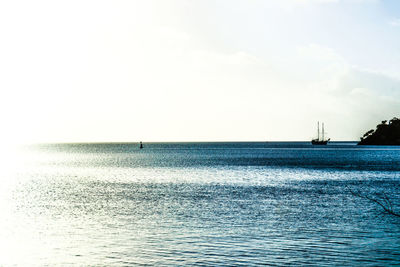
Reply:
x=386, y=133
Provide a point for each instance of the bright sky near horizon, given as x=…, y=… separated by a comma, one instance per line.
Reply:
x=175, y=70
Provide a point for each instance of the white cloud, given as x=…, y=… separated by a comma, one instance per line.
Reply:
x=303, y=2
x=395, y=22
x=313, y=1
x=133, y=70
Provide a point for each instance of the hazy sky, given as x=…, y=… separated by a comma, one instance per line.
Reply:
x=197, y=70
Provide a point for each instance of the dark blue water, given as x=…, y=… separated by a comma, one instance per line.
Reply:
x=202, y=204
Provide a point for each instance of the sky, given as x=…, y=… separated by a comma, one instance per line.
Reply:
x=175, y=70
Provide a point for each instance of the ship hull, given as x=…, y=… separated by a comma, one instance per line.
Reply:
x=319, y=142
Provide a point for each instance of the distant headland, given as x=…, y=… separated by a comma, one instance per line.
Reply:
x=385, y=134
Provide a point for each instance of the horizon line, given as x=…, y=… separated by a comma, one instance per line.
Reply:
x=214, y=141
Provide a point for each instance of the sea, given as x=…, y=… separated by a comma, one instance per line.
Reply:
x=200, y=204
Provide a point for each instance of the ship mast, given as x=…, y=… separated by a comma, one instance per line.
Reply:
x=322, y=131
x=318, y=131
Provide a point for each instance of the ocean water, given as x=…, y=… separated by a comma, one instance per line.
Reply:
x=199, y=204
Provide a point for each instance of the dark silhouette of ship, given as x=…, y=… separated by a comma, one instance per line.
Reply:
x=141, y=145
x=319, y=140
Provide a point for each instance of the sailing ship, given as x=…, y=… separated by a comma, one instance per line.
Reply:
x=318, y=140
x=140, y=145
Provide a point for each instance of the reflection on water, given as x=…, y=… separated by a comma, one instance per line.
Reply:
x=199, y=204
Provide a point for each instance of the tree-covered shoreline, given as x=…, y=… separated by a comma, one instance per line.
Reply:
x=386, y=133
